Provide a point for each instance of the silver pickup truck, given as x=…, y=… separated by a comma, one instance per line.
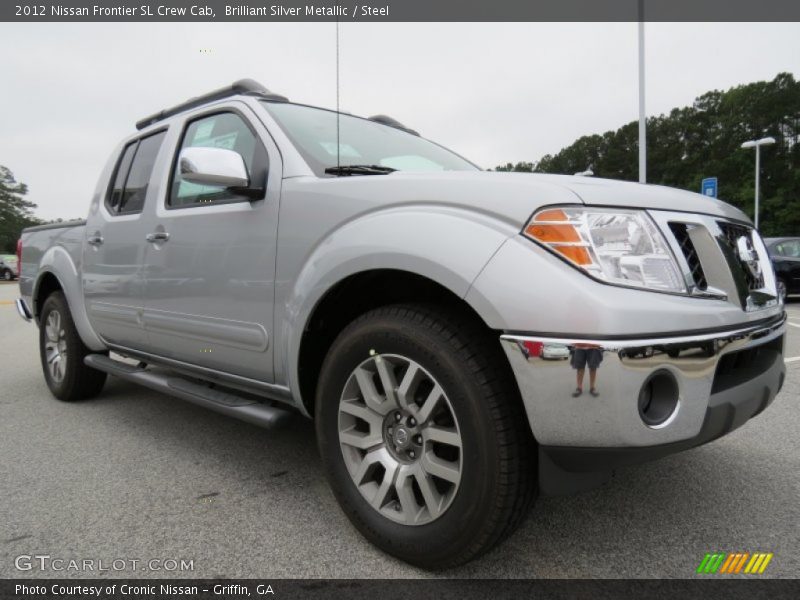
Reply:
x=464, y=340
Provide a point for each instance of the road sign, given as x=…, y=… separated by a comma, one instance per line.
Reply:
x=709, y=187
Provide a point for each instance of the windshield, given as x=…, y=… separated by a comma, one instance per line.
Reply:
x=361, y=142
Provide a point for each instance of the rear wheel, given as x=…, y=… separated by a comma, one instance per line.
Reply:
x=62, y=353
x=423, y=437
x=8, y=275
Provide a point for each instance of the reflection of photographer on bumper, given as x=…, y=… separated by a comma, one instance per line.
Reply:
x=583, y=355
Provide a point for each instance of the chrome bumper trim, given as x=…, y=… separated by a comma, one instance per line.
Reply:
x=23, y=309
x=757, y=329
x=547, y=380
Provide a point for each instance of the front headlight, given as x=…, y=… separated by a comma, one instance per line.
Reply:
x=618, y=246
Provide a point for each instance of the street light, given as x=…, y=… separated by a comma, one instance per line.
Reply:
x=642, y=114
x=757, y=145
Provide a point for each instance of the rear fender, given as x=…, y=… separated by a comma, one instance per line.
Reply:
x=57, y=261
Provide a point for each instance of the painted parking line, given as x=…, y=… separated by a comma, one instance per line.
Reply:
x=4, y=302
x=792, y=359
x=794, y=324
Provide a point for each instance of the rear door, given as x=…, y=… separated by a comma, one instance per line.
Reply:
x=113, y=259
x=210, y=264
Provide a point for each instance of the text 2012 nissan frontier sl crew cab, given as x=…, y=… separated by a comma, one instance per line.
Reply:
x=464, y=340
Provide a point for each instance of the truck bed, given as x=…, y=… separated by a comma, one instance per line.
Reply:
x=36, y=241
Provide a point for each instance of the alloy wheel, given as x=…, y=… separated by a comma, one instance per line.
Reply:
x=55, y=346
x=400, y=439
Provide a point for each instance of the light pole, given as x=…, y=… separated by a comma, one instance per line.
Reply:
x=757, y=145
x=642, y=114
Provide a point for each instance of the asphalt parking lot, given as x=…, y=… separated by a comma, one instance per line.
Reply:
x=137, y=475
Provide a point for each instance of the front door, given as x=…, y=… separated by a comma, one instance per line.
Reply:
x=210, y=258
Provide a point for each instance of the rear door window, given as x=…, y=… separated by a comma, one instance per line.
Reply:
x=133, y=175
x=121, y=174
x=139, y=175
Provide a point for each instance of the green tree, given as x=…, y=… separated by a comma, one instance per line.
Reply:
x=16, y=212
x=521, y=167
x=703, y=140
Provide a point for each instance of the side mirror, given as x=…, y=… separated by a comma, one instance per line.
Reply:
x=213, y=166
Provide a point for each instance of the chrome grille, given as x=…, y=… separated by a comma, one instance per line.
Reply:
x=732, y=233
x=681, y=233
x=720, y=259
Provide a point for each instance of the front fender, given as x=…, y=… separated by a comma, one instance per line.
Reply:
x=57, y=261
x=525, y=288
x=444, y=244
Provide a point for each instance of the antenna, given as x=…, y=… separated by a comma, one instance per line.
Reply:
x=338, y=144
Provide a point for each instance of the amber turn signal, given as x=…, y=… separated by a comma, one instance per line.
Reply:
x=553, y=228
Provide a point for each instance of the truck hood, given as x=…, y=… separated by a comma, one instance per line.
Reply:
x=509, y=197
x=609, y=192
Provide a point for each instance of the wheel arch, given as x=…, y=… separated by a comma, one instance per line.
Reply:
x=51, y=278
x=352, y=297
x=46, y=284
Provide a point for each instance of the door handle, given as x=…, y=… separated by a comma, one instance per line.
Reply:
x=158, y=236
x=94, y=240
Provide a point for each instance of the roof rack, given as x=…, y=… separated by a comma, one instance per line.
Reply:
x=386, y=120
x=247, y=87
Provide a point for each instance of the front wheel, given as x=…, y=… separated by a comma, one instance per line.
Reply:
x=782, y=290
x=423, y=437
x=62, y=353
x=8, y=275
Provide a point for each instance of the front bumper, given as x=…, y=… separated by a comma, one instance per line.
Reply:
x=722, y=379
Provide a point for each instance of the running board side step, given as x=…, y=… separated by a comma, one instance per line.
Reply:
x=241, y=407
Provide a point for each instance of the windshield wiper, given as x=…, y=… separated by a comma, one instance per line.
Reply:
x=360, y=170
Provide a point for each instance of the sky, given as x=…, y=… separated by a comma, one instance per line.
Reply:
x=492, y=92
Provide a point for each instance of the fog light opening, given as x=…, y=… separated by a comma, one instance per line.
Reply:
x=658, y=399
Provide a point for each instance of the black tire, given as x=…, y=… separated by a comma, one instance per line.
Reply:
x=79, y=381
x=498, y=483
x=8, y=275
x=781, y=285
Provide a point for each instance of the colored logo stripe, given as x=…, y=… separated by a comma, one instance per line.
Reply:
x=758, y=563
x=735, y=562
x=722, y=562
x=711, y=562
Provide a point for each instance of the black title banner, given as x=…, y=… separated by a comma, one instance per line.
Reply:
x=399, y=10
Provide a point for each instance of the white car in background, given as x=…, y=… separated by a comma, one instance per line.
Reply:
x=8, y=267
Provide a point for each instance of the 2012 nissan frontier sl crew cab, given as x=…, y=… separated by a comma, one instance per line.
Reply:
x=463, y=340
